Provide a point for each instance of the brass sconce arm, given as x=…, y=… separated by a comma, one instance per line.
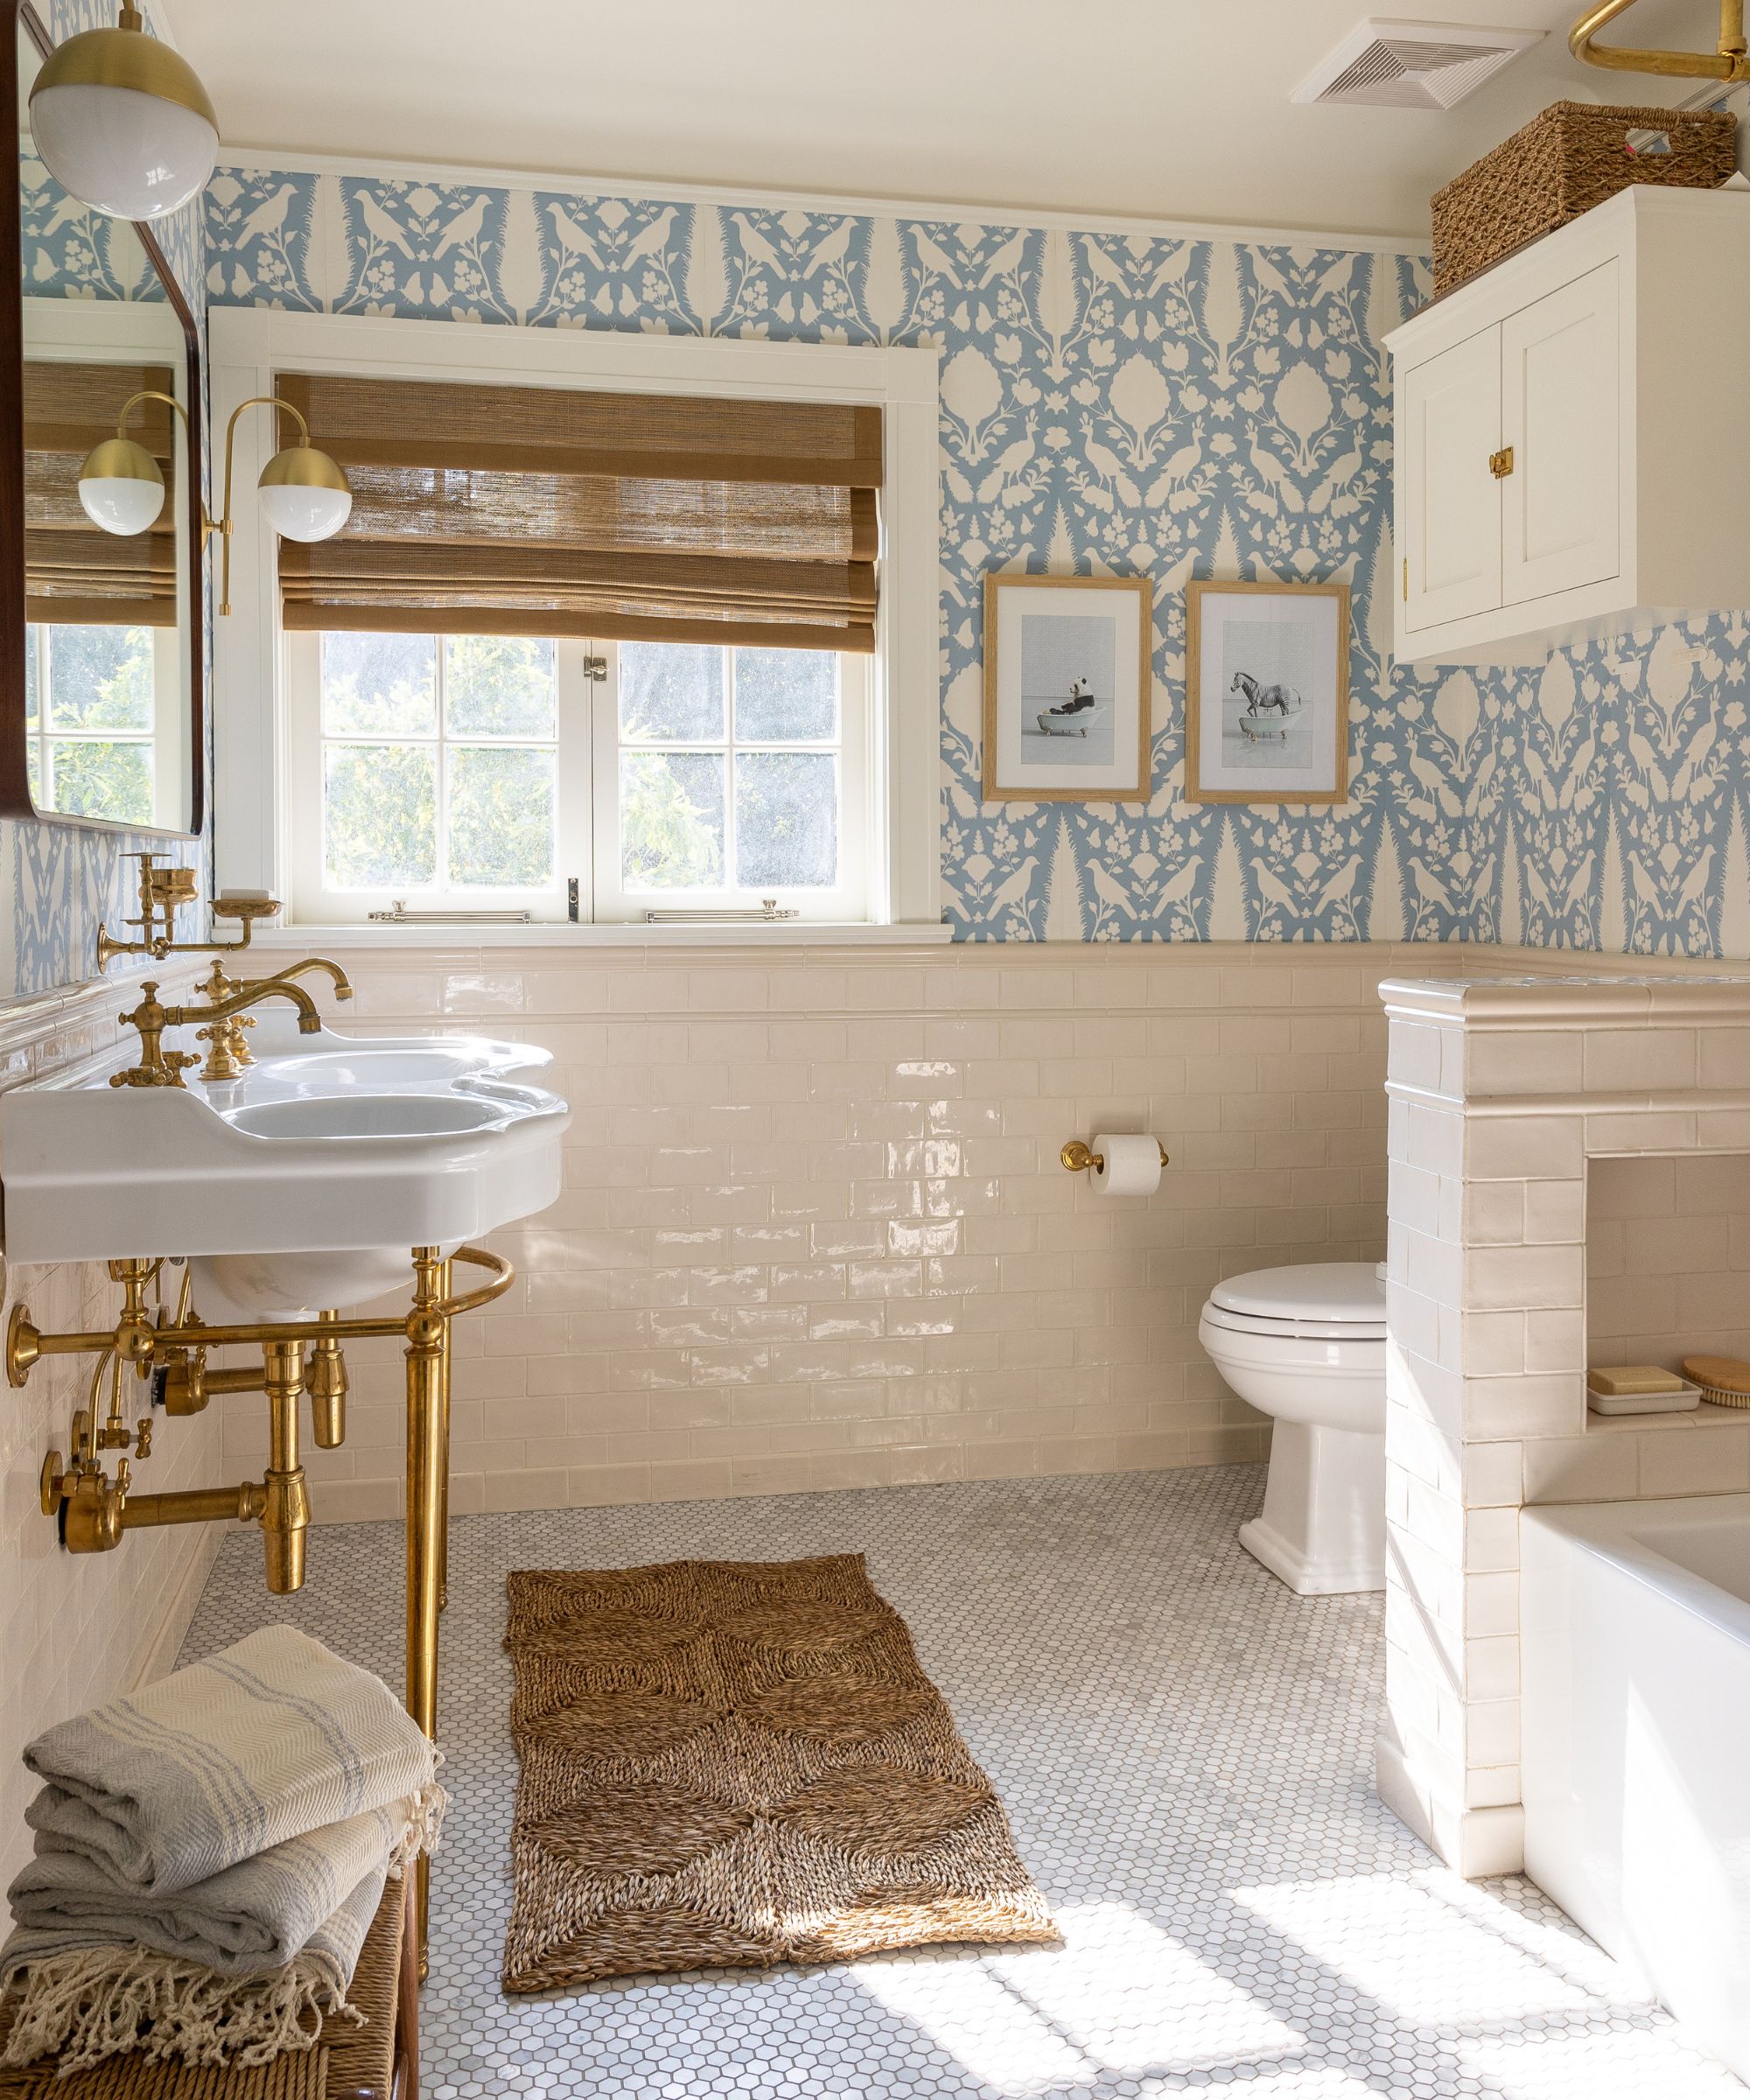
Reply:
x=299, y=465
x=1727, y=62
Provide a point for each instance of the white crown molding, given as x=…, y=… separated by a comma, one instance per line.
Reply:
x=284, y=160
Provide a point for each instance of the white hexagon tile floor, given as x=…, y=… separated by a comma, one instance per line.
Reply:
x=1185, y=1750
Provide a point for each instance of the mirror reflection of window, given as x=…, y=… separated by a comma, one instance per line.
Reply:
x=108, y=648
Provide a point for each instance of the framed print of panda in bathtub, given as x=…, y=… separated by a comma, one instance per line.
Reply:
x=1068, y=688
x=1266, y=692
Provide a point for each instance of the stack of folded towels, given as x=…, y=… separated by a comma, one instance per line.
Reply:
x=210, y=1855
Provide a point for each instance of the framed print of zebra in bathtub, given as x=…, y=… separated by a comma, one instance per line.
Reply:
x=1266, y=692
x=1067, y=691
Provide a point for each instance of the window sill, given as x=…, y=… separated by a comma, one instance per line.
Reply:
x=554, y=934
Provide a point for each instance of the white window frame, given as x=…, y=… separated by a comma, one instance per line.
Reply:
x=587, y=845
x=253, y=790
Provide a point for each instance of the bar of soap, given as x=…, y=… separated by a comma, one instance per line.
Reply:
x=243, y=896
x=1619, y=1380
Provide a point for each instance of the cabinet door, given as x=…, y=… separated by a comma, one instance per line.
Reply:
x=1561, y=413
x=1449, y=507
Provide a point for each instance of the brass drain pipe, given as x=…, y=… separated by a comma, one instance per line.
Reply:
x=1727, y=62
x=285, y=1519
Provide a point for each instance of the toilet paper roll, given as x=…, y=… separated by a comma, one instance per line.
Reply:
x=1131, y=1165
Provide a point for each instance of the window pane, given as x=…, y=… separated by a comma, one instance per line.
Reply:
x=670, y=689
x=102, y=780
x=502, y=817
x=379, y=685
x=786, y=695
x=100, y=678
x=379, y=820
x=671, y=819
x=787, y=819
x=32, y=636
x=498, y=685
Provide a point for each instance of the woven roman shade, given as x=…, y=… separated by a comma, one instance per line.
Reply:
x=540, y=510
x=76, y=574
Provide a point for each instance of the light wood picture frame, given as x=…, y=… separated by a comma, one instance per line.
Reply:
x=1068, y=688
x=1266, y=692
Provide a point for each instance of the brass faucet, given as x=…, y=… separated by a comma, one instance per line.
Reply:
x=161, y=1068
x=230, y=1051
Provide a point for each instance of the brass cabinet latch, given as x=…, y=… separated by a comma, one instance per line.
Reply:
x=1501, y=463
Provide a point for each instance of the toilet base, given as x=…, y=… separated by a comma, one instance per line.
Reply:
x=1322, y=1528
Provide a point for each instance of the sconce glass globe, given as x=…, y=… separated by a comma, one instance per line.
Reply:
x=122, y=488
x=122, y=121
x=304, y=495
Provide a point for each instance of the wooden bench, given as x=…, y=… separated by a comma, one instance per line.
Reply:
x=377, y=2060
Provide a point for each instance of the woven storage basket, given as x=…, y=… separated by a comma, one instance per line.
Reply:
x=1572, y=157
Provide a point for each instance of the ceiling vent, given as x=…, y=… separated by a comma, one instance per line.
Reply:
x=1412, y=64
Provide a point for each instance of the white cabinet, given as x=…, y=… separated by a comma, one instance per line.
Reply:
x=1566, y=461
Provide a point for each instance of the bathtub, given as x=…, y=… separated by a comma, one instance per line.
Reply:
x=1636, y=1688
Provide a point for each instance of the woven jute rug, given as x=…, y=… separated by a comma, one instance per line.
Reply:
x=729, y=1764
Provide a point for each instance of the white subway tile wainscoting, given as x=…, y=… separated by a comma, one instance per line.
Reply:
x=814, y=1232
x=1568, y=1180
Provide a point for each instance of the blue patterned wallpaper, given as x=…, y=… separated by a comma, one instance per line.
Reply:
x=66, y=879
x=1119, y=404
x=1110, y=406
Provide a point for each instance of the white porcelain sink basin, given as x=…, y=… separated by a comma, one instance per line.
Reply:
x=303, y=1184
x=365, y=1114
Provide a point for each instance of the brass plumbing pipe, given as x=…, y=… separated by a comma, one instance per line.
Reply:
x=1727, y=62
x=286, y=1513
x=244, y=1502
x=327, y=1384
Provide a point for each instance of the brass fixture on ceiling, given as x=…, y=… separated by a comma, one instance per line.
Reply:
x=122, y=121
x=1728, y=62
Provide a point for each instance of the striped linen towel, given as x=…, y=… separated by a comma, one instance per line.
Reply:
x=270, y=1738
x=86, y=1996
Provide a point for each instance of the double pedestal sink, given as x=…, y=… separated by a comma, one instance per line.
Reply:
x=301, y=1184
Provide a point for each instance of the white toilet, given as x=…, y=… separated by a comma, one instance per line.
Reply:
x=1307, y=1346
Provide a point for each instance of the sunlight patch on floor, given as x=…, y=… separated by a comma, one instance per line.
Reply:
x=1135, y=2000
x=1425, y=1961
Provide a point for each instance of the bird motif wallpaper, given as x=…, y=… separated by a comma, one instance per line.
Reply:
x=1129, y=404
x=1112, y=405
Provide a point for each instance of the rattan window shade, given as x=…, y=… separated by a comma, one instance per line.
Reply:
x=75, y=574
x=539, y=510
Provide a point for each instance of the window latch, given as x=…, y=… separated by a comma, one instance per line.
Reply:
x=595, y=670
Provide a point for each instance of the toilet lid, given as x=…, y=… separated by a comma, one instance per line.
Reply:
x=1346, y=1295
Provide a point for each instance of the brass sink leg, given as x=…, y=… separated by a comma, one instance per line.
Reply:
x=285, y=1518
x=444, y=1287
x=328, y=1388
x=427, y=1333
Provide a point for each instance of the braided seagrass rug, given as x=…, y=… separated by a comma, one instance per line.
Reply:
x=729, y=1764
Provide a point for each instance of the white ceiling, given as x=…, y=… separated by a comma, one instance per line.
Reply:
x=1171, y=108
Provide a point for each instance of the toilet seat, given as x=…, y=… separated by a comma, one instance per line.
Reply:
x=1323, y=1293
x=1293, y=1330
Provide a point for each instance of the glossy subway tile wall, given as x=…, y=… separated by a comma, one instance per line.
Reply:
x=814, y=1232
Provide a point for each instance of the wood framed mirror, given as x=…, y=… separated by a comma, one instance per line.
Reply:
x=102, y=709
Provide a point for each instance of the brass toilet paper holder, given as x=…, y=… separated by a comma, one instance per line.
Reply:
x=1078, y=1156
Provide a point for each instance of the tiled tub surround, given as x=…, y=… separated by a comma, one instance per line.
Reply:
x=73, y=1631
x=814, y=1231
x=1508, y=1100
